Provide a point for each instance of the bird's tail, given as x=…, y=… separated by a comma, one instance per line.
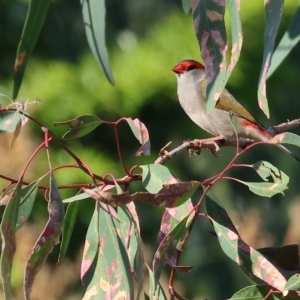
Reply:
x=286, y=150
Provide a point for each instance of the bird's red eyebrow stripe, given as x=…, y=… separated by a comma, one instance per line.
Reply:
x=248, y=123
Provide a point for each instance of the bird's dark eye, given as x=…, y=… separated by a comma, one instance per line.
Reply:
x=191, y=67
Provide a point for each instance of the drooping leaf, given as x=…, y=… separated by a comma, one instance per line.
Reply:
x=8, y=232
x=166, y=251
x=11, y=120
x=28, y=196
x=154, y=176
x=48, y=238
x=80, y=126
x=186, y=5
x=273, y=13
x=253, y=263
x=289, y=40
x=69, y=222
x=210, y=30
x=236, y=34
x=155, y=290
x=90, y=251
x=130, y=230
x=34, y=21
x=111, y=278
x=140, y=131
x=93, y=12
x=265, y=189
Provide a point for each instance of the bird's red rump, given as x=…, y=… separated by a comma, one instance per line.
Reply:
x=263, y=132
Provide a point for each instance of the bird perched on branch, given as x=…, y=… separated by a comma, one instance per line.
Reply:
x=191, y=90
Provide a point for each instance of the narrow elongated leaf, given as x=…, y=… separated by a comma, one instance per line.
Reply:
x=186, y=5
x=236, y=34
x=28, y=196
x=80, y=126
x=140, y=131
x=286, y=138
x=112, y=278
x=253, y=263
x=273, y=13
x=48, y=238
x=69, y=222
x=266, y=189
x=210, y=30
x=8, y=232
x=93, y=12
x=287, y=43
x=34, y=21
x=155, y=290
x=130, y=230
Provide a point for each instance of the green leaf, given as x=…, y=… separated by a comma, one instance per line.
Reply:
x=264, y=169
x=34, y=21
x=265, y=189
x=236, y=34
x=210, y=30
x=255, y=292
x=286, y=138
x=94, y=19
x=48, y=238
x=155, y=290
x=28, y=196
x=111, y=266
x=80, y=126
x=273, y=13
x=289, y=40
x=69, y=222
x=253, y=263
x=293, y=284
x=140, y=131
x=10, y=120
x=154, y=176
x=8, y=232
x=186, y=5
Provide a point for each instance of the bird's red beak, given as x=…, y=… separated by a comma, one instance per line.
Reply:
x=178, y=69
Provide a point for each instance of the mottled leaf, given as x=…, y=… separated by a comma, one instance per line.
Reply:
x=93, y=12
x=80, y=126
x=289, y=40
x=69, y=222
x=166, y=251
x=112, y=278
x=34, y=21
x=210, y=30
x=140, y=131
x=254, y=264
x=286, y=138
x=236, y=34
x=48, y=238
x=130, y=229
x=273, y=13
x=11, y=120
x=154, y=176
x=8, y=232
x=265, y=170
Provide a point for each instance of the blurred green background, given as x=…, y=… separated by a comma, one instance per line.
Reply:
x=145, y=40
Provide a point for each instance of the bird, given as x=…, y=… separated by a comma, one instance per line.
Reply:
x=191, y=91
